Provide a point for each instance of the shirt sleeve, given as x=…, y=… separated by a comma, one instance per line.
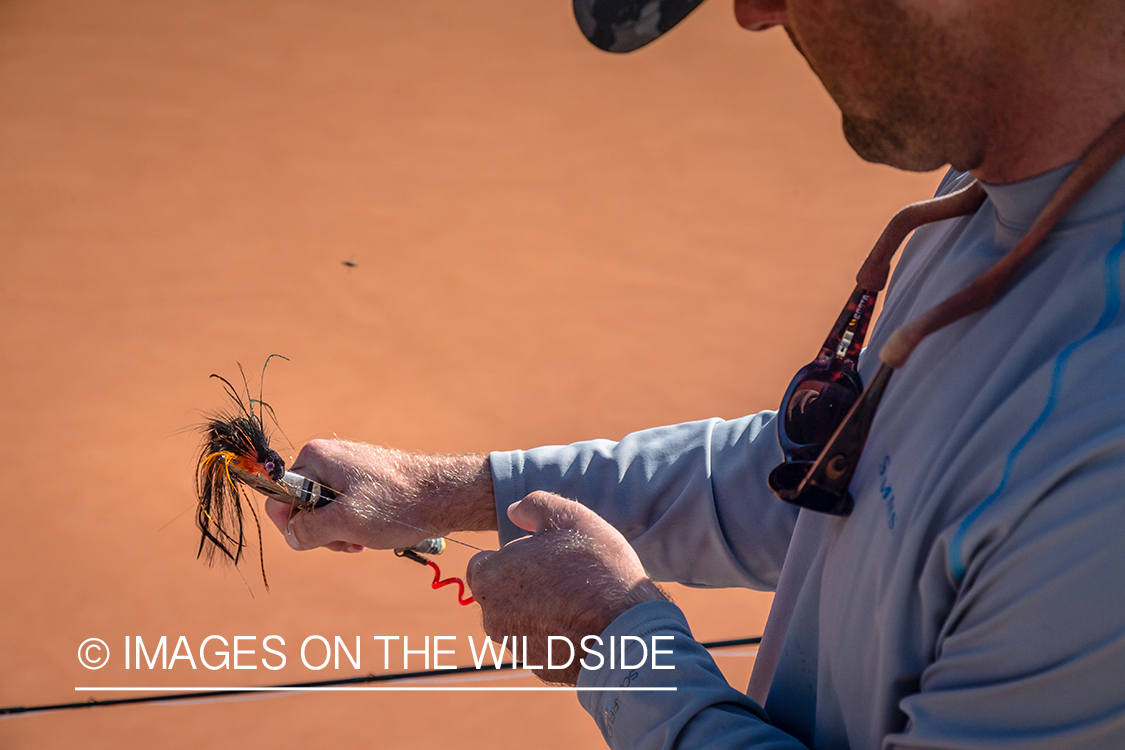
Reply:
x=692, y=498
x=669, y=693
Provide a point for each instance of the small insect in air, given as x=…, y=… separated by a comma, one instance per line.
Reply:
x=235, y=451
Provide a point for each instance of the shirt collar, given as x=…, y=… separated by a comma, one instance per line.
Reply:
x=1019, y=203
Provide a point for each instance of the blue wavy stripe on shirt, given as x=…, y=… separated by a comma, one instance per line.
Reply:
x=1112, y=305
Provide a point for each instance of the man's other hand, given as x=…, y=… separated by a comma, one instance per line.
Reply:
x=571, y=577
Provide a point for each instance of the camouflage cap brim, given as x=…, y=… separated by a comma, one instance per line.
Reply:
x=625, y=25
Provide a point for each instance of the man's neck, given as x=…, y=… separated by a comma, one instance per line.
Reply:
x=1034, y=146
x=1052, y=101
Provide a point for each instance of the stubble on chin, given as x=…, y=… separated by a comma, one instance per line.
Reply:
x=905, y=107
x=876, y=142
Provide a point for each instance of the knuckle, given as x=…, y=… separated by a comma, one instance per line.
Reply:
x=318, y=448
x=298, y=536
x=303, y=532
x=478, y=577
x=492, y=624
x=541, y=498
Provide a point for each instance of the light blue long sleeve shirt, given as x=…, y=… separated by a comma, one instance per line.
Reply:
x=976, y=596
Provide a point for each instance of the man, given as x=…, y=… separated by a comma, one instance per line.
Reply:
x=976, y=595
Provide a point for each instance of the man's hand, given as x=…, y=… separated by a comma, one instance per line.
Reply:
x=572, y=577
x=387, y=498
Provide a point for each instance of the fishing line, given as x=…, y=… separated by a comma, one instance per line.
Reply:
x=369, y=511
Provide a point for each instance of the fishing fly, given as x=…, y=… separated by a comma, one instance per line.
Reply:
x=235, y=446
x=236, y=454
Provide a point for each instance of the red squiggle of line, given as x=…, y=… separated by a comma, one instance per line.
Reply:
x=438, y=583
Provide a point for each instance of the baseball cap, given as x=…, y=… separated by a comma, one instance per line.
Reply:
x=625, y=25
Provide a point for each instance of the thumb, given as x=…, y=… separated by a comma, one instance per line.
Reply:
x=543, y=511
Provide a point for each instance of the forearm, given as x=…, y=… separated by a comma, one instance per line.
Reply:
x=387, y=498
x=453, y=491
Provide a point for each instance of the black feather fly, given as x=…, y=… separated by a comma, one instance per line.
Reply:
x=235, y=451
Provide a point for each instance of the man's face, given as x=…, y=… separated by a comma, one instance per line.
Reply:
x=907, y=77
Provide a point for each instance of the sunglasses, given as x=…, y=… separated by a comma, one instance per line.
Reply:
x=826, y=413
x=815, y=405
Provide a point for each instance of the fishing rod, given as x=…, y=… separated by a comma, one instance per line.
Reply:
x=235, y=454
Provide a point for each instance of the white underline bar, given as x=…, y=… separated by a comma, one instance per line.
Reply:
x=371, y=689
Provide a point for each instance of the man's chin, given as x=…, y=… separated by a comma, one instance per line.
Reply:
x=875, y=142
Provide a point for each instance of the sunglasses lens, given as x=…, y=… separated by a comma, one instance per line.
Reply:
x=786, y=478
x=816, y=406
